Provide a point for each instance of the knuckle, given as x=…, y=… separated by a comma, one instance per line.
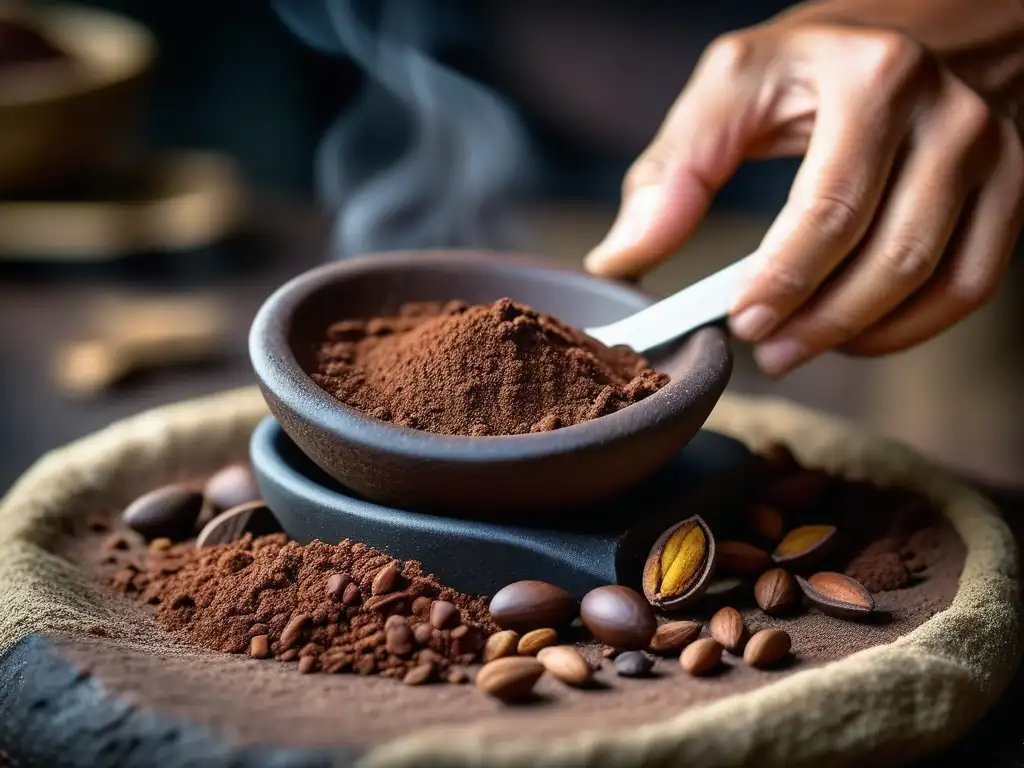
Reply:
x=645, y=170
x=976, y=122
x=887, y=56
x=909, y=260
x=833, y=217
x=730, y=53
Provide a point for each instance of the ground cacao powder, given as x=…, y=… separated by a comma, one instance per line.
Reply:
x=496, y=369
x=906, y=548
x=879, y=571
x=273, y=597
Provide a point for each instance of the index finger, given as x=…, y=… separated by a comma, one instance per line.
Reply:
x=842, y=179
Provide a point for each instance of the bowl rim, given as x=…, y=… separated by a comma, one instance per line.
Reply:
x=280, y=373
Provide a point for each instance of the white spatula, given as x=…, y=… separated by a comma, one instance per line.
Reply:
x=706, y=301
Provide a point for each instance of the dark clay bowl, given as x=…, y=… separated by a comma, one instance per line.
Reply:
x=474, y=476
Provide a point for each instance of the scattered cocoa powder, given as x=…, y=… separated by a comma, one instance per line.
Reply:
x=497, y=369
x=907, y=547
x=879, y=572
x=269, y=597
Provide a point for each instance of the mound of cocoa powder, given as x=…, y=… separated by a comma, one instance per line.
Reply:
x=496, y=369
x=321, y=604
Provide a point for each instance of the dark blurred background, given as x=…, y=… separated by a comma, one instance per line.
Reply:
x=589, y=79
x=244, y=142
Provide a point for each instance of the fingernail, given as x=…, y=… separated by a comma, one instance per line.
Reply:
x=635, y=218
x=754, y=323
x=778, y=356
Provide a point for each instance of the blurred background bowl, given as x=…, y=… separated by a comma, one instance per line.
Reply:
x=62, y=122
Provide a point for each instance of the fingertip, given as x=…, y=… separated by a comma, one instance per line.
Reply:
x=628, y=264
x=636, y=216
x=754, y=323
x=779, y=356
x=598, y=263
x=653, y=222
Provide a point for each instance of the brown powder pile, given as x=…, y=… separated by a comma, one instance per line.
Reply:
x=334, y=608
x=497, y=369
x=889, y=562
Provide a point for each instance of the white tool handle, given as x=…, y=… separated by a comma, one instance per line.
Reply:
x=706, y=301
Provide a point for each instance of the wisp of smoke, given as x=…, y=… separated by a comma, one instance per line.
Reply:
x=426, y=157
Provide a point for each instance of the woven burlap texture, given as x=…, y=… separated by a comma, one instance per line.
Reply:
x=890, y=702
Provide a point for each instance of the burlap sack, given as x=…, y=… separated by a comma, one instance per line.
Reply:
x=907, y=698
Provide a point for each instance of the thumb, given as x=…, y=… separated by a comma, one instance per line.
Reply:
x=669, y=188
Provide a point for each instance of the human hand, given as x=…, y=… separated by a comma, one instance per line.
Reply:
x=908, y=203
